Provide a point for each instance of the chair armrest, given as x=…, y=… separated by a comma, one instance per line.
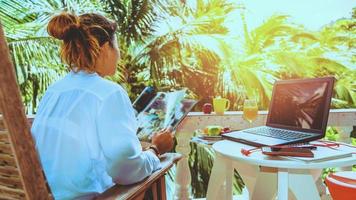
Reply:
x=131, y=191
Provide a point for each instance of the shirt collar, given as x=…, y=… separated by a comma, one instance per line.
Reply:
x=83, y=73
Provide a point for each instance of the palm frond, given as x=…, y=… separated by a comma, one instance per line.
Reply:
x=345, y=89
x=266, y=34
x=299, y=36
x=135, y=17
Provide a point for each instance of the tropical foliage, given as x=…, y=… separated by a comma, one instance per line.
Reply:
x=173, y=44
x=178, y=43
x=201, y=170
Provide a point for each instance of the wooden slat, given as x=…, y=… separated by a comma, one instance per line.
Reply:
x=16, y=123
x=2, y=124
x=162, y=188
x=9, y=171
x=10, y=176
x=5, y=148
x=11, y=182
x=4, y=137
x=10, y=193
x=7, y=197
x=154, y=191
x=7, y=160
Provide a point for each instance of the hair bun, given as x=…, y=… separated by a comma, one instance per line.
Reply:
x=64, y=26
x=72, y=32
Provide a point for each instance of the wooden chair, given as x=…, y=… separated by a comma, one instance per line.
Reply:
x=21, y=174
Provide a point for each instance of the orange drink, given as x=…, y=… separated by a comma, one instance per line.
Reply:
x=250, y=113
x=250, y=110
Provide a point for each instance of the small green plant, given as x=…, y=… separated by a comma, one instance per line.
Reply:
x=353, y=141
x=327, y=171
x=331, y=134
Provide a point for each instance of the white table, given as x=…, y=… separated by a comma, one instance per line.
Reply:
x=263, y=175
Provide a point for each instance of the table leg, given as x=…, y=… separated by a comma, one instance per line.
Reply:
x=248, y=174
x=229, y=177
x=266, y=184
x=302, y=184
x=282, y=184
x=222, y=171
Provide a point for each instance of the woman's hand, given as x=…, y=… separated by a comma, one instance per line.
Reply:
x=163, y=140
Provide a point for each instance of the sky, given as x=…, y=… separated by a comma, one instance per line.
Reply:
x=313, y=14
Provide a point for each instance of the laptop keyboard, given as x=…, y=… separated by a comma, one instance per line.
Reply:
x=278, y=133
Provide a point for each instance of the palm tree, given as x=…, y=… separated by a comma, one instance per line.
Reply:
x=190, y=44
x=278, y=49
x=34, y=53
x=172, y=43
x=249, y=73
x=135, y=19
x=328, y=52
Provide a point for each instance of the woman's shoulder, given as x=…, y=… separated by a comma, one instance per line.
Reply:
x=106, y=88
x=89, y=83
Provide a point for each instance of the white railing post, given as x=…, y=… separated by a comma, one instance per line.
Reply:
x=344, y=136
x=183, y=175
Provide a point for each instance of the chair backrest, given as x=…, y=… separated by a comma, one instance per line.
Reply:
x=21, y=174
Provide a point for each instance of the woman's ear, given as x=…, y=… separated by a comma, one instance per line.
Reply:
x=107, y=60
x=105, y=49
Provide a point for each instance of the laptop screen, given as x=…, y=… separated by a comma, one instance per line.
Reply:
x=301, y=104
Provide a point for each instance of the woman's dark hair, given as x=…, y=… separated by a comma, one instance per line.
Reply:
x=82, y=37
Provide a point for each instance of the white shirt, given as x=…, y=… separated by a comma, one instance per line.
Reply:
x=85, y=133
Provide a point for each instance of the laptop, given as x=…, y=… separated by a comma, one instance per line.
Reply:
x=298, y=113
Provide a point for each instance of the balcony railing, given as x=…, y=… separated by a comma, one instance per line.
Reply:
x=343, y=118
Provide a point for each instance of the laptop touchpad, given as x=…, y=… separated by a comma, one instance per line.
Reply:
x=243, y=135
x=248, y=136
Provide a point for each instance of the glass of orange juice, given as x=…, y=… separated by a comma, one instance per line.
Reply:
x=250, y=110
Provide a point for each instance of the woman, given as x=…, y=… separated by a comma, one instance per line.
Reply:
x=85, y=127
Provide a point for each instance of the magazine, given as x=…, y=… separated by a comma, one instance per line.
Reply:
x=326, y=153
x=164, y=110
